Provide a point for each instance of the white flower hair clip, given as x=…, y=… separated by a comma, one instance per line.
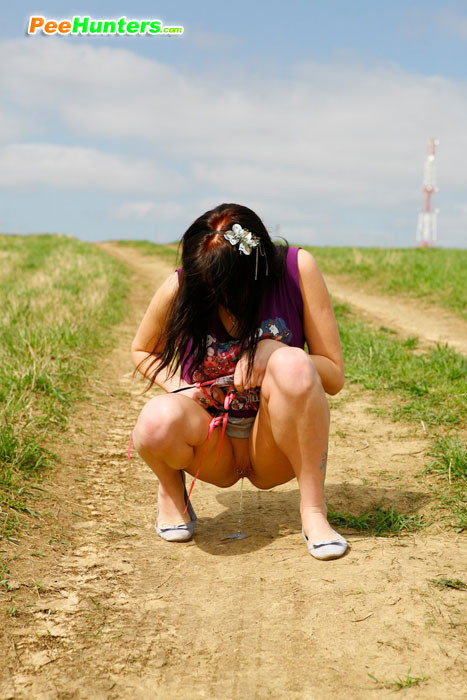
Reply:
x=243, y=237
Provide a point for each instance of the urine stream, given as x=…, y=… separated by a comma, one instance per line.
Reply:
x=239, y=535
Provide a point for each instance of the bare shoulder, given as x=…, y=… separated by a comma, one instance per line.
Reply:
x=305, y=259
x=310, y=274
x=170, y=285
x=306, y=262
x=165, y=293
x=156, y=314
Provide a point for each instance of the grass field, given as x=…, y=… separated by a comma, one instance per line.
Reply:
x=60, y=297
x=435, y=275
x=431, y=385
x=427, y=388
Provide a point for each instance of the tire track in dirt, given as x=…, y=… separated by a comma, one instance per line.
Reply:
x=407, y=316
x=120, y=613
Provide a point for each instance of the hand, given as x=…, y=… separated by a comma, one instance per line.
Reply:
x=264, y=350
x=200, y=397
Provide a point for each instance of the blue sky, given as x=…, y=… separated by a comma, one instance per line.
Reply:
x=315, y=114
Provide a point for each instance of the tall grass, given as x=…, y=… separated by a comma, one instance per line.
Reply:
x=60, y=296
x=435, y=275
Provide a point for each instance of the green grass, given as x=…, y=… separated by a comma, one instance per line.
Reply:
x=378, y=521
x=431, y=386
x=454, y=583
x=450, y=458
x=60, y=298
x=167, y=251
x=409, y=681
x=452, y=502
x=435, y=275
x=3, y=575
x=449, y=466
x=428, y=387
x=401, y=683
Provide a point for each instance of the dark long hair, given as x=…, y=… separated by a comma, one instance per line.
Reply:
x=214, y=273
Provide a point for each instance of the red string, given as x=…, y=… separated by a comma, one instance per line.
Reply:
x=217, y=420
x=214, y=423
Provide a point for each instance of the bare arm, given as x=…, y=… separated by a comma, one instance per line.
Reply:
x=150, y=330
x=321, y=332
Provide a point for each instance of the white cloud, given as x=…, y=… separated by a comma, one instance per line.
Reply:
x=326, y=138
x=150, y=211
x=67, y=167
x=12, y=126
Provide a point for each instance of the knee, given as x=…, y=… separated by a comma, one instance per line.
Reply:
x=292, y=371
x=157, y=423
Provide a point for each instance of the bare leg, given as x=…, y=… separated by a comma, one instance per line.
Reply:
x=170, y=435
x=290, y=436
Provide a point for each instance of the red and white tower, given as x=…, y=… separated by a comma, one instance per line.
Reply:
x=426, y=229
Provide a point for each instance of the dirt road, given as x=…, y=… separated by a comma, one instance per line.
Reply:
x=100, y=607
x=407, y=316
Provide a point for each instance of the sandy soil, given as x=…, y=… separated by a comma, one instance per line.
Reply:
x=100, y=607
x=407, y=316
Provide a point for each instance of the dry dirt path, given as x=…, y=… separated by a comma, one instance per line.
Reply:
x=409, y=317
x=100, y=607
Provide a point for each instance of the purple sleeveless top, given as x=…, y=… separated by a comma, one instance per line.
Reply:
x=282, y=319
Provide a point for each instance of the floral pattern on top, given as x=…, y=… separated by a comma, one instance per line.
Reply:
x=221, y=359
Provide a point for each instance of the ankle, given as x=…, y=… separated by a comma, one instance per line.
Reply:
x=171, y=486
x=310, y=510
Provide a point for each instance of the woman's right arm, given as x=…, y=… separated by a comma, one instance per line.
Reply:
x=150, y=330
x=146, y=338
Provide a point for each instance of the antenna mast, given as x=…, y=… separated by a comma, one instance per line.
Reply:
x=426, y=229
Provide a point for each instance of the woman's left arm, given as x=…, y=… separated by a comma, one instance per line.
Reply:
x=321, y=332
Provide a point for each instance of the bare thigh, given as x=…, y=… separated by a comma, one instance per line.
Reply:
x=270, y=466
x=185, y=446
